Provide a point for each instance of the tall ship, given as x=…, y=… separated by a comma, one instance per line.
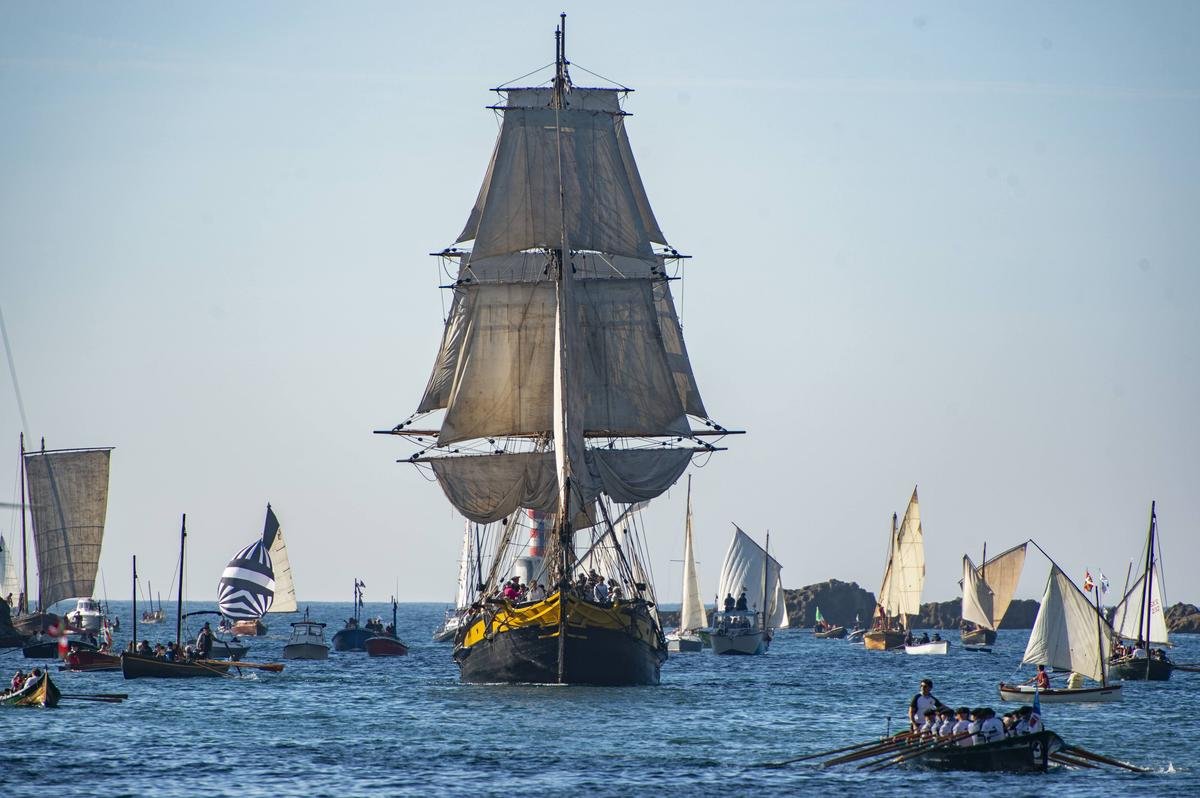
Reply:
x=565, y=394
x=903, y=580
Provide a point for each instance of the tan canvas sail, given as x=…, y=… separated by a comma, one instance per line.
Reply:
x=691, y=615
x=977, y=600
x=1002, y=573
x=904, y=579
x=1068, y=634
x=68, y=495
x=1130, y=614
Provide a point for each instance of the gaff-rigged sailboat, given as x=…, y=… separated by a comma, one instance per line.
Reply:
x=1068, y=634
x=68, y=500
x=987, y=592
x=566, y=388
x=693, y=620
x=1139, y=620
x=753, y=575
x=903, y=580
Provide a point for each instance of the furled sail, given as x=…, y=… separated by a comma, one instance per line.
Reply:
x=68, y=493
x=900, y=594
x=285, y=587
x=691, y=614
x=743, y=570
x=1130, y=614
x=247, y=585
x=977, y=598
x=1068, y=633
x=568, y=166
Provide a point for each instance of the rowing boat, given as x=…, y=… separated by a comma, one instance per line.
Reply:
x=138, y=666
x=832, y=633
x=84, y=660
x=1026, y=753
x=41, y=693
x=933, y=647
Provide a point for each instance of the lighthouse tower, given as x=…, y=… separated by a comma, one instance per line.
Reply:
x=530, y=566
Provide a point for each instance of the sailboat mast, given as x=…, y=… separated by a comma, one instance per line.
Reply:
x=1100, y=639
x=1147, y=586
x=766, y=562
x=179, y=598
x=135, y=602
x=23, y=604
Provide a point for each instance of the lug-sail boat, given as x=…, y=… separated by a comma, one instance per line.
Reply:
x=693, y=620
x=1068, y=634
x=566, y=387
x=1139, y=620
x=903, y=580
x=246, y=589
x=752, y=575
x=467, y=575
x=987, y=592
x=68, y=502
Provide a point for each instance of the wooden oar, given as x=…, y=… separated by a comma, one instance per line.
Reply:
x=1073, y=762
x=118, y=696
x=1086, y=754
x=920, y=751
x=273, y=667
x=869, y=743
x=900, y=741
x=1189, y=668
x=101, y=699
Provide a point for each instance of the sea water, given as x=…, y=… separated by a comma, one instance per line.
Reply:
x=353, y=725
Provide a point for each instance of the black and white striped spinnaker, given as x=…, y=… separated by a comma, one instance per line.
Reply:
x=247, y=586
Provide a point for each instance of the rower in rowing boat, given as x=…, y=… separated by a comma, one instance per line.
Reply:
x=922, y=701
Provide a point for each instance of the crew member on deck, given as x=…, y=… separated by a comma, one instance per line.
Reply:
x=922, y=701
x=741, y=602
x=204, y=641
x=729, y=602
x=1041, y=678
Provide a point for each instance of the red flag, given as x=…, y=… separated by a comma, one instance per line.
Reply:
x=1088, y=584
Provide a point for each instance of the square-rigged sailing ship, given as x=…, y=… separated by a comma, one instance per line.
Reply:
x=566, y=390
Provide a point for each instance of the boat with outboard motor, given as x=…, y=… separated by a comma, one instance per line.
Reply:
x=930, y=647
x=307, y=641
x=387, y=643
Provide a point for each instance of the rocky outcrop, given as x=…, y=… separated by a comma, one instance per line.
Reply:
x=1183, y=619
x=840, y=603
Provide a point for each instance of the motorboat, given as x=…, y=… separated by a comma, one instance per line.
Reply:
x=307, y=641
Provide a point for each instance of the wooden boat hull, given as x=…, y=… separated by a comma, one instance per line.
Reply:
x=978, y=637
x=604, y=645
x=384, y=646
x=1023, y=694
x=836, y=633
x=254, y=628
x=1026, y=753
x=935, y=648
x=351, y=639
x=1141, y=670
x=42, y=693
x=305, y=651
x=883, y=641
x=91, y=661
x=138, y=666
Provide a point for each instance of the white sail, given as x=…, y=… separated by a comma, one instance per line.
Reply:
x=977, y=600
x=285, y=587
x=691, y=614
x=743, y=570
x=68, y=496
x=900, y=594
x=1129, y=616
x=10, y=581
x=1068, y=633
x=463, y=591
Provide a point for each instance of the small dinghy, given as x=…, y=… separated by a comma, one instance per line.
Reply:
x=42, y=693
x=935, y=647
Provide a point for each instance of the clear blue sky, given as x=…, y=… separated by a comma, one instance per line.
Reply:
x=944, y=244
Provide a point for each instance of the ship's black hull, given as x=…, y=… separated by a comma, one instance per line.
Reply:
x=1029, y=753
x=592, y=656
x=1140, y=670
x=351, y=639
x=48, y=649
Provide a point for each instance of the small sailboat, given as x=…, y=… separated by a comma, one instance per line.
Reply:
x=307, y=641
x=152, y=615
x=353, y=637
x=903, y=580
x=693, y=620
x=1139, y=621
x=1068, y=634
x=824, y=630
x=247, y=588
x=387, y=644
x=740, y=627
x=987, y=592
x=141, y=666
x=467, y=569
